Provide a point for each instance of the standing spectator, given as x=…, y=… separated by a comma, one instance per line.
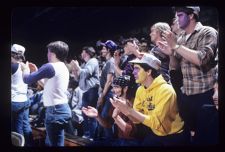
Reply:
x=195, y=52
x=56, y=80
x=155, y=105
x=89, y=84
x=104, y=105
x=19, y=98
x=208, y=129
x=131, y=50
x=156, y=35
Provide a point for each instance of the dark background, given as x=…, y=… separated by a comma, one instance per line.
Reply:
x=35, y=27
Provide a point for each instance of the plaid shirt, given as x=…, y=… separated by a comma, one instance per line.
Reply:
x=199, y=79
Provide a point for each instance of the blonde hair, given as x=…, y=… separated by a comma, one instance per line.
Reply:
x=161, y=26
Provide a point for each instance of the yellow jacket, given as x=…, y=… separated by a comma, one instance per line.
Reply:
x=159, y=105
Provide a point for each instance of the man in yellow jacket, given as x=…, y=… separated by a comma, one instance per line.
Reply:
x=155, y=105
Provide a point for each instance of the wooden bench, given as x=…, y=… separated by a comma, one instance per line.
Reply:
x=39, y=135
x=72, y=140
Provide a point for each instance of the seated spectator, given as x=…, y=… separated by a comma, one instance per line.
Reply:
x=155, y=105
x=126, y=129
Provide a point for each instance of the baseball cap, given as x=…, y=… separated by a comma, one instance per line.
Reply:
x=122, y=80
x=195, y=9
x=110, y=45
x=89, y=49
x=19, y=49
x=148, y=59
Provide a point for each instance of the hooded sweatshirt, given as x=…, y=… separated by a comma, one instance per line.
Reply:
x=158, y=103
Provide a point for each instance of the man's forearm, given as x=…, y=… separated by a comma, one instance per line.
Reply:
x=188, y=54
x=135, y=116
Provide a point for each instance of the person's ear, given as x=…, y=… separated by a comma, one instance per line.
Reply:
x=149, y=72
x=191, y=16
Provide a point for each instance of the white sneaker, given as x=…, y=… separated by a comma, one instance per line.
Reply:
x=85, y=137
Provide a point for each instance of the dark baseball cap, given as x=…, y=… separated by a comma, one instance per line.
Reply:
x=110, y=45
x=122, y=80
x=193, y=9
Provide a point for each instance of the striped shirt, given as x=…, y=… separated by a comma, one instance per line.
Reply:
x=199, y=79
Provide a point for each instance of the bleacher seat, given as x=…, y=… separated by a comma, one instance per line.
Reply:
x=17, y=139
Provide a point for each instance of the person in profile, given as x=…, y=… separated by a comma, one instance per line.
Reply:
x=19, y=99
x=56, y=80
x=155, y=105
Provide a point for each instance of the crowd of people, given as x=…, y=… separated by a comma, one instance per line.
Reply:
x=134, y=98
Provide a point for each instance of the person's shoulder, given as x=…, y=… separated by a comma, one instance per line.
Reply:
x=167, y=88
x=206, y=28
x=140, y=89
x=48, y=66
x=92, y=60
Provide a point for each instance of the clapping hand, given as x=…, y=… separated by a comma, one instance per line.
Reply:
x=115, y=112
x=170, y=38
x=168, y=43
x=90, y=111
x=25, y=67
x=32, y=67
x=164, y=47
x=74, y=64
x=120, y=104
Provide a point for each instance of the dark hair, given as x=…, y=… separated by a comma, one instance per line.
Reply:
x=89, y=50
x=18, y=56
x=60, y=49
x=111, y=51
x=122, y=81
x=186, y=10
x=155, y=73
x=131, y=40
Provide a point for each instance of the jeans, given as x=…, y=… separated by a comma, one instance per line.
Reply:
x=108, y=132
x=20, y=120
x=56, y=119
x=89, y=98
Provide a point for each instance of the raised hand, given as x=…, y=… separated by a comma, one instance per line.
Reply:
x=120, y=104
x=74, y=64
x=170, y=38
x=115, y=112
x=90, y=111
x=25, y=67
x=164, y=47
x=32, y=67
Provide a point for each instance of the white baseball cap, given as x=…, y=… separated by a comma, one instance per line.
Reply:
x=18, y=49
x=148, y=59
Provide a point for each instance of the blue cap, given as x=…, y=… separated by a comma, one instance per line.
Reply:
x=110, y=45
